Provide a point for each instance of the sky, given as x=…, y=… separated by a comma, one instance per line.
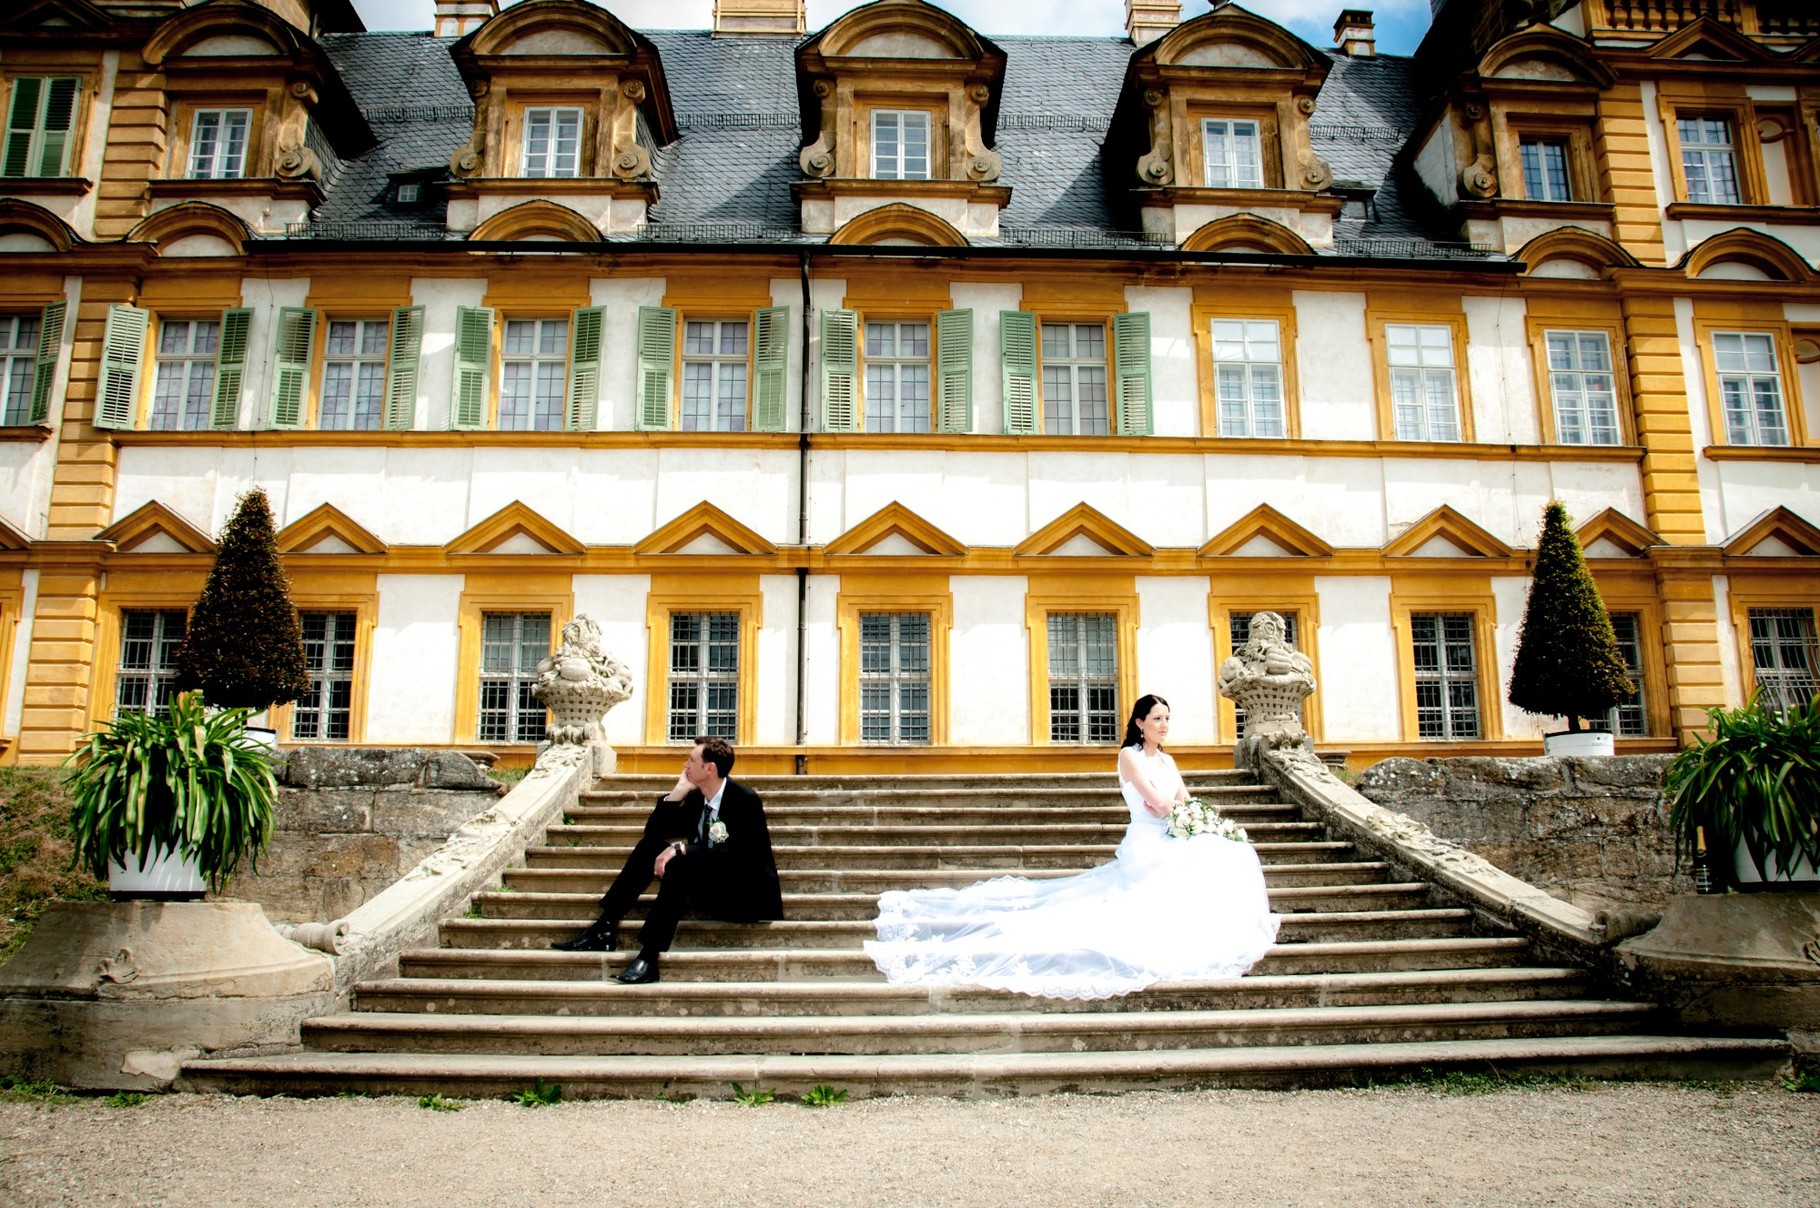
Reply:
x=1399, y=22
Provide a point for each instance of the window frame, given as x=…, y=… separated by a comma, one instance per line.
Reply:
x=1731, y=104
x=73, y=142
x=1204, y=123
x=1271, y=152
x=13, y=354
x=1734, y=148
x=1710, y=320
x=1630, y=587
x=130, y=591
x=683, y=357
x=501, y=357
x=932, y=128
x=1561, y=314
x=931, y=361
x=1550, y=401
x=1116, y=595
x=1071, y=321
x=320, y=352
x=1279, y=308
x=1488, y=677
x=365, y=607
x=192, y=121
x=861, y=593
x=722, y=591
x=1377, y=322
x=522, y=592
x=1750, y=589
x=154, y=339
x=555, y=109
x=1572, y=127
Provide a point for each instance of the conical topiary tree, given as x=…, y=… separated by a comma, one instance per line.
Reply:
x=244, y=648
x=1567, y=664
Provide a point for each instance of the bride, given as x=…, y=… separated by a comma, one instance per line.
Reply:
x=1164, y=909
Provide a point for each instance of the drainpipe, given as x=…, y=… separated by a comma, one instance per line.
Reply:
x=802, y=533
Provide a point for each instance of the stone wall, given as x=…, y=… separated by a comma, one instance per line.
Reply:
x=351, y=821
x=1592, y=832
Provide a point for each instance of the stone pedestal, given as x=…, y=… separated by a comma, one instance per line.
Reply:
x=115, y=996
x=1748, y=960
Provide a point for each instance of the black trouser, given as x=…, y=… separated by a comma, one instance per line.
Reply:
x=675, y=892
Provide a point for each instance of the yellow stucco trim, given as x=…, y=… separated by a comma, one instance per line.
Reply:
x=1381, y=311
x=1061, y=592
x=894, y=519
x=867, y=593
x=1266, y=522
x=1546, y=312
x=706, y=591
x=1468, y=594
x=514, y=520
x=12, y=604
x=1752, y=318
x=530, y=591
x=322, y=523
x=1278, y=305
x=337, y=591
x=1465, y=535
x=1084, y=520
x=1748, y=588
x=123, y=590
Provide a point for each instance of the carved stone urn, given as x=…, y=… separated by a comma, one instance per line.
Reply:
x=1269, y=679
x=578, y=684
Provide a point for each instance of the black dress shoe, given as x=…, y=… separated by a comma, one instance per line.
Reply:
x=594, y=939
x=641, y=972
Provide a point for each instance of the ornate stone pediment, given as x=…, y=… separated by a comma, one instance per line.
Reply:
x=155, y=529
x=895, y=529
x=1084, y=531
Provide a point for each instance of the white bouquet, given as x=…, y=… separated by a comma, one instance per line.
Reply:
x=1195, y=817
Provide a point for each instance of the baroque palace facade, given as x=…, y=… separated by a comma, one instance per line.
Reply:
x=897, y=398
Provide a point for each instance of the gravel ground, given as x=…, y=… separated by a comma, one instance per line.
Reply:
x=1601, y=1143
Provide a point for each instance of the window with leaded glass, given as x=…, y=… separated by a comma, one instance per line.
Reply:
x=218, y=144
x=353, y=374
x=894, y=677
x=900, y=144
x=715, y=363
x=1074, y=380
x=1083, y=677
x=1422, y=387
x=1785, y=654
x=1248, y=376
x=552, y=142
x=1232, y=151
x=1750, y=387
x=1585, y=391
x=1238, y=629
x=897, y=376
x=146, y=678
x=183, y=388
x=704, y=675
x=1545, y=176
x=18, y=365
x=1446, y=675
x=511, y=646
x=1628, y=717
x=325, y=712
x=533, y=375
x=1709, y=162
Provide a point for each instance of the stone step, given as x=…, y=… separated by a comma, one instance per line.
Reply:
x=622, y=836
x=576, y=895
x=986, y=860
x=822, y=813
x=848, y=933
x=655, y=783
x=1009, y=1032
x=980, y=1074
x=1002, y=795
x=832, y=997
x=878, y=880
x=795, y=964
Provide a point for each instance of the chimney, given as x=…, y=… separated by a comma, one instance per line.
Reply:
x=1148, y=20
x=760, y=18
x=1352, y=33
x=458, y=18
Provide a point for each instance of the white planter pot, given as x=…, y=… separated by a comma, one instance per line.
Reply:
x=1746, y=876
x=166, y=877
x=261, y=736
x=1578, y=742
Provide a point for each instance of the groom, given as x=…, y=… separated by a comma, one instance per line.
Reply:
x=708, y=847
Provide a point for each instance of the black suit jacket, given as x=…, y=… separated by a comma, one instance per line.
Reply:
x=735, y=879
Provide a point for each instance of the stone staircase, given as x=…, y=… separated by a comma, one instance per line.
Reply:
x=1373, y=977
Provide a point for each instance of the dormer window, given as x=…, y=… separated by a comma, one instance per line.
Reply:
x=1708, y=161
x=1232, y=153
x=409, y=194
x=900, y=144
x=218, y=139
x=552, y=142
x=1545, y=172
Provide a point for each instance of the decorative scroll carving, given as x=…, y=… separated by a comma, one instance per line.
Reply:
x=628, y=161
x=1480, y=177
x=817, y=159
x=978, y=161
x=579, y=683
x=295, y=160
x=1157, y=167
x=1269, y=679
x=467, y=158
x=1315, y=174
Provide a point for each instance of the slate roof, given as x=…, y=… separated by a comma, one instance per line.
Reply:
x=727, y=178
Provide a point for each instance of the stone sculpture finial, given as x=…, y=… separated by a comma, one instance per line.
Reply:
x=578, y=684
x=1269, y=679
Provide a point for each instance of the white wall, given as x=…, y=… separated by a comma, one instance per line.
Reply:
x=1175, y=397
x=1499, y=370
x=776, y=703
x=1512, y=595
x=617, y=603
x=1175, y=655
x=1333, y=367
x=986, y=301
x=989, y=662
x=411, y=696
x=821, y=677
x=1358, y=672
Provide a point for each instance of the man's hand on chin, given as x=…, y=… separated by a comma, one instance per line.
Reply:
x=682, y=788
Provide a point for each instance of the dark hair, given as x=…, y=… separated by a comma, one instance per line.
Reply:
x=717, y=751
x=1134, y=737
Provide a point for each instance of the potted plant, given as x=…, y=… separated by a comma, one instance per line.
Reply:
x=1754, y=787
x=162, y=804
x=244, y=647
x=1568, y=663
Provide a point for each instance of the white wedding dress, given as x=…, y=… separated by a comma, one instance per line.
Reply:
x=1164, y=909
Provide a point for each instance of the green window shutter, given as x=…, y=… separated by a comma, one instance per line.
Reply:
x=1131, y=347
x=50, y=347
x=21, y=124
x=840, y=371
x=230, y=366
x=954, y=367
x=296, y=336
x=401, y=368
x=1017, y=352
x=584, y=367
x=773, y=357
x=122, y=353
x=656, y=364
x=473, y=356
x=59, y=117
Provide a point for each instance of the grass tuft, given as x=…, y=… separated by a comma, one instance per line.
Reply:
x=539, y=1095
x=14, y=1089
x=127, y=1099
x=823, y=1096
x=752, y=1098
x=436, y=1103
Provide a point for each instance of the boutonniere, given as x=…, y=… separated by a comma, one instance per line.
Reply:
x=717, y=831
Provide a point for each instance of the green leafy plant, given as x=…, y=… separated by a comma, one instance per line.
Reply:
x=752, y=1098
x=823, y=1096
x=189, y=782
x=14, y=1089
x=243, y=647
x=1755, y=781
x=35, y=848
x=539, y=1095
x=1568, y=663
x=127, y=1099
x=1801, y=1082
x=436, y=1103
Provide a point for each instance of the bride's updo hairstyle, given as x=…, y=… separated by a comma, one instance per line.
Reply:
x=1134, y=737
